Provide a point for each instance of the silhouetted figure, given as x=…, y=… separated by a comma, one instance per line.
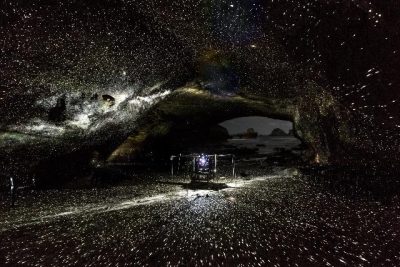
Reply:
x=96, y=165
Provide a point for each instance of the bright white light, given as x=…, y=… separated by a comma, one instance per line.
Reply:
x=203, y=161
x=42, y=127
x=81, y=121
x=143, y=102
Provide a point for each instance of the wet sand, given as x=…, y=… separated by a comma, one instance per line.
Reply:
x=279, y=218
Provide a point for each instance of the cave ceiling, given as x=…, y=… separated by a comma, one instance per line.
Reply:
x=139, y=52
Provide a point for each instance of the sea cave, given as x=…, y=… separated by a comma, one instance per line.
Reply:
x=199, y=132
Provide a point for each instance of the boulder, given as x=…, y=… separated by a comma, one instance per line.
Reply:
x=278, y=132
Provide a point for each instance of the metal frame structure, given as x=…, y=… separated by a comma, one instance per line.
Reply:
x=12, y=186
x=212, y=158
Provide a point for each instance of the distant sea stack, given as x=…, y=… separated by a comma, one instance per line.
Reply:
x=278, y=132
x=249, y=134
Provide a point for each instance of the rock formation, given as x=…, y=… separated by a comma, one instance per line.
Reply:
x=185, y=105
x=167, y=65
x=278, y=132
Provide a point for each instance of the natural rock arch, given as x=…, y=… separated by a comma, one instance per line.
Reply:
x=317, y=118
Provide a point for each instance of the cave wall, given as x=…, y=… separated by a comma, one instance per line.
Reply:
x=268, y=59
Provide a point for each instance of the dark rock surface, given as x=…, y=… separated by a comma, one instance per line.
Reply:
x=57, y=113
x=278, y=132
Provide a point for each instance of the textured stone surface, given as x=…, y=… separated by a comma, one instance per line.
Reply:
x=318, y=119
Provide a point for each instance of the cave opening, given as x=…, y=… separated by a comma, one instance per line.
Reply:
x=263, y=135
x=248, y=138
x=260, y=142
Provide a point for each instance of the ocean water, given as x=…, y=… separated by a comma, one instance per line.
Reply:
x=266, y=144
